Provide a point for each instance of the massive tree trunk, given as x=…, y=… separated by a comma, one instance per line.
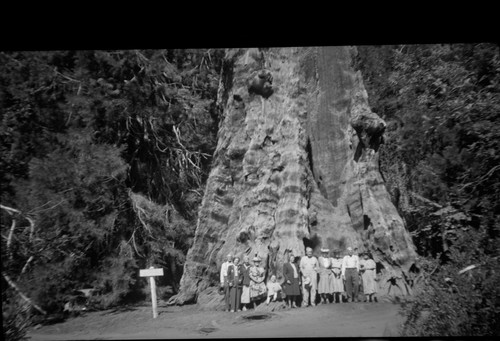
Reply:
x=295, y=166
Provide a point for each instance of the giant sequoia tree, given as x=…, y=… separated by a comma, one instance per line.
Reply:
x=296, y=165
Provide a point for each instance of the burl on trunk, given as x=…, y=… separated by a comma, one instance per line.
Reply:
x=296, y=165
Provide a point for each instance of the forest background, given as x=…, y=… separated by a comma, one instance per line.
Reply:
x=105, y=154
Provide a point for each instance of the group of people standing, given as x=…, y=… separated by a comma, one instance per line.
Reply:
x=243, y=284
x=348, y=276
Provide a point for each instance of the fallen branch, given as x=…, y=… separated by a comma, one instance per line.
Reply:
x=434, y=270
x=468, y=268
x=177, y=133
x=425, y=200
x=139, y=211
x=133, y=243
x=473, y=266
x=26, y=266
x=23, y=296
x=481, y=179
x=67, y=77
x=49, y=208
x=9, y=209
x=32, y=228
x=11, y=233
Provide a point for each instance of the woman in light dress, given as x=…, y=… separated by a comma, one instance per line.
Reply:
x=257, y=274
x=325, y=285
x=337, y=282
x=369, y=276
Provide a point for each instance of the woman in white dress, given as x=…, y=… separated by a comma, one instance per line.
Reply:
x=325, y=285
x=338, y=284
x=369, y=275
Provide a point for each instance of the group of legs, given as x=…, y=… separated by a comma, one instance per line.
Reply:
x=354, y=284
x=350, y=291
x=237, y=299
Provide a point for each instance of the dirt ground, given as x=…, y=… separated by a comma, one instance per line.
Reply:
x=136, y=322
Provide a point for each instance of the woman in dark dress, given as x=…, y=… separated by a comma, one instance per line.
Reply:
x=235, y=279
x=245, y=289
x=291, y=285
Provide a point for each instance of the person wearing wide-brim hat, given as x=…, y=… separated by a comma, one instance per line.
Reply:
x=325, y=284
x=257, y=274
x=337, y=282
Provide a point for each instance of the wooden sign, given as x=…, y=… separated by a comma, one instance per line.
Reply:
x=151, y=273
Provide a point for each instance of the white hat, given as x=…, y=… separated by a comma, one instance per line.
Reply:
x=349, y=248
x=325, y=250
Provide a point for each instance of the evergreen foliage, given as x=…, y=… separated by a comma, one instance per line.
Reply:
x=84, y=134
x=441, y=166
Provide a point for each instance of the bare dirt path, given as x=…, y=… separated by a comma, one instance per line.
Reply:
x=331, y=320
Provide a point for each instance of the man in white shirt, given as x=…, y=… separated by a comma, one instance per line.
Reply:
x=223, y=279
x=350, y=274
x=309, y=267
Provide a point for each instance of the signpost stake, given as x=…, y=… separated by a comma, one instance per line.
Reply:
x=151, y=273
x=153, y=296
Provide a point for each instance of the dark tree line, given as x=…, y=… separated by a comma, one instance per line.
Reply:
x=103, y=158
x=442, y=167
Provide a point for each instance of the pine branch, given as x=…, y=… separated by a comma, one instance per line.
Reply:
x=23, y=296
x=10, y=209
x=482, y=178
x=67, y=77
x=26, y=266
x=427, y=201
x=11, y=233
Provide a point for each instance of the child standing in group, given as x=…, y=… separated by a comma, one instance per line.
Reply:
x=273, y=289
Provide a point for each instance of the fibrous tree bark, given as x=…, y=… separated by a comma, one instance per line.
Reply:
x=296, y=165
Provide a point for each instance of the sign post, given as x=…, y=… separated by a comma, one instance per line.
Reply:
x=151, y=273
